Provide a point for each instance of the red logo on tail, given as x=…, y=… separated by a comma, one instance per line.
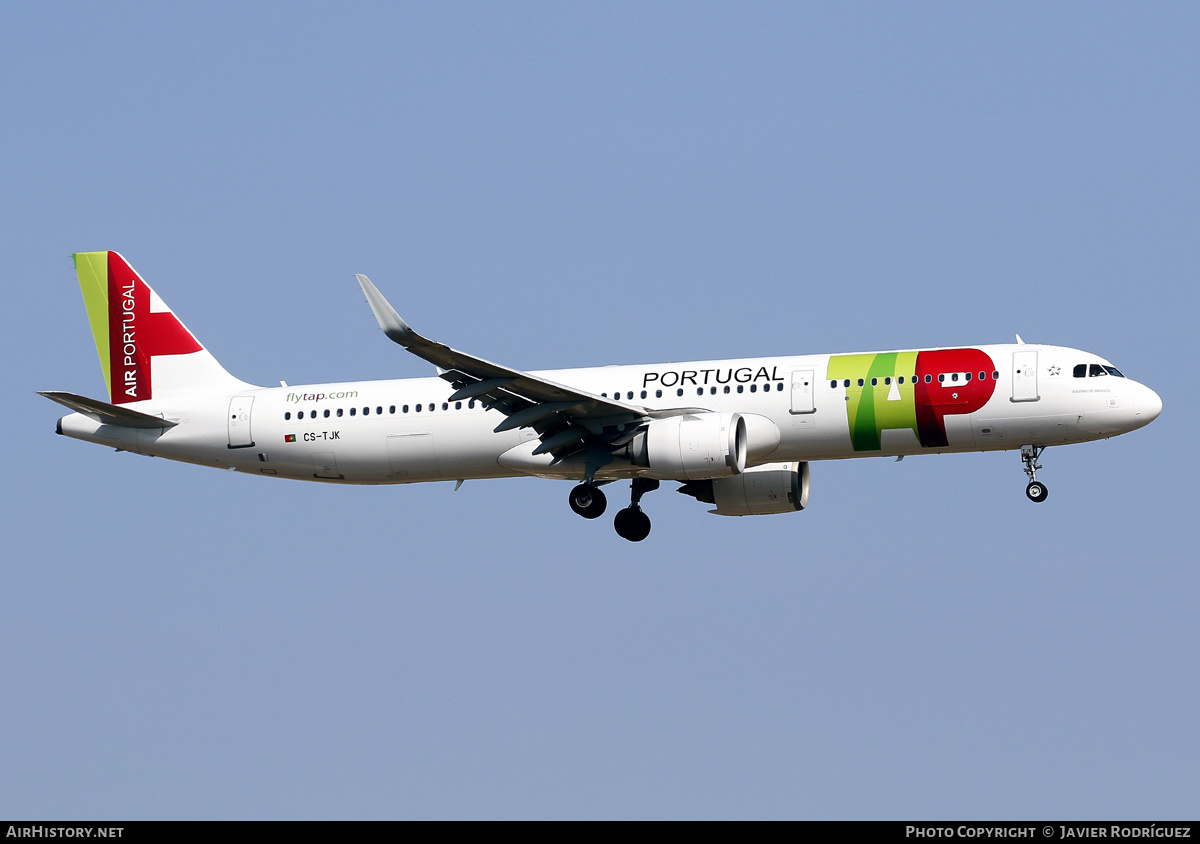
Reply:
x=135, y=335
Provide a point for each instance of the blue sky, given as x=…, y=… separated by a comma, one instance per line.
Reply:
x=553, y=185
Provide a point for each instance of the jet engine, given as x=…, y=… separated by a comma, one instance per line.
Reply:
x=758, y=491
x=691, y=446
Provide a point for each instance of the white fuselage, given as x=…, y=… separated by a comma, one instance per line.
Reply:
x=407, y=430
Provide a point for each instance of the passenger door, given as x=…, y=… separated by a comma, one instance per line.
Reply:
x=239, y=422
x=1024, y=376
x=802, y=391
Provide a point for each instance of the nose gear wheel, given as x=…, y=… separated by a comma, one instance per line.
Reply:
x=1036, y=490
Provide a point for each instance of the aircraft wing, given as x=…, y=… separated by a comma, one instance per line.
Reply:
x=566, y=419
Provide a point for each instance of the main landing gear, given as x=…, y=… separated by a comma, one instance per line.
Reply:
x=631, y=523
x=1036, y=490
x=588, y=501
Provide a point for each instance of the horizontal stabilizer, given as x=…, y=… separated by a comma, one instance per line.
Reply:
x=107, y=414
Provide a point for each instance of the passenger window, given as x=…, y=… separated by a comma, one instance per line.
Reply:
x=353, y=409
x=779, y=387
x=1096, y=369
x=287, y=416
x=833, y=384
x=887, y=382
x=326, y=413
x=941, y=378
x=312, y=414
x=378, y=411
x=471, y=404
x=713, y=391
x=995, y=375
x=643, y=393
x=846, y=383
x=966, y=376
x=741, y=387
x=679, y=392
x=366, y=411
x=339, y=411
x=726, y=389
x=860, y=382
x=629, y=395
x=458, y=405
x=928, y=379
x=754, y=388
x=445, y=405
x=391, y=409
x=874, y=382
x=404, y=409
x=954, y=377
x=658, y=394
x=699, y=391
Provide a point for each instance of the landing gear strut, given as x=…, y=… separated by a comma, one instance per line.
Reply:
x=1036, y=490
x=588, y=501
x=631, y=523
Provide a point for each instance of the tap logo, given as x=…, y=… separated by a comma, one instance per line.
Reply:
x=130, y=324
x=913, y=390
x=136, y=333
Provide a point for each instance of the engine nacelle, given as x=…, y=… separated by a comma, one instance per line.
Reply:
x=759, y=491
x=762, y=436
x=692, y=446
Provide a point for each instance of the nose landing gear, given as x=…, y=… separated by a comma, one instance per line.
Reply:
x=631, y=523
x=1035, y=491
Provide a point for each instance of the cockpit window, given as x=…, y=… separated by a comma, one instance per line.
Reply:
x=1080, y=370
x=1112, y=370
x=1095, y=369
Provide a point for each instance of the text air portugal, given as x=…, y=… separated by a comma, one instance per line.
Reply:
x=135, y=335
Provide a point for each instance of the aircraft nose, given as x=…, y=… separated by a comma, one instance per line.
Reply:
x=1149, y=405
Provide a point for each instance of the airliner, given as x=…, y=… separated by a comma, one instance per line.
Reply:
x=735, y=434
